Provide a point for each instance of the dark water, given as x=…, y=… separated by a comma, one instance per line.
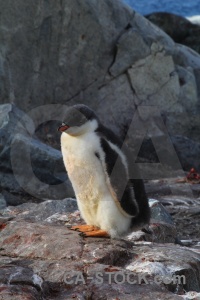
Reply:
x=181, y=7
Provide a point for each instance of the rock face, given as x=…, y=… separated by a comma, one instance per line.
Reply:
x=141, y=84
x=66, y=42
x=104, y=55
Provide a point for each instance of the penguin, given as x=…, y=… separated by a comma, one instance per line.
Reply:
x=111, y=205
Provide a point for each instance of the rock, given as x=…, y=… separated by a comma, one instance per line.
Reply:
x=157, y=232
x=187, y=58
x=48, y=209
x=157, y=71
x=180, y=29
x=192, y=296
x=181, y=200
x=160, y=268
x=39, y=171
x=124, y=57
x=118, y=114
x=159, y=213
x=185, y=148
x=55, y=56
x=3, y=203
x=12, y=199
x=19, y=292
x=60, y=53
x=19, y=275
x=187, y=151
x=39, y=246
x=55, y=259
x=161, y=228
x=114, y=56
x=48, y=212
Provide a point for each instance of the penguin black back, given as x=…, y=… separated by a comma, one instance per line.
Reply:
x=135, y=189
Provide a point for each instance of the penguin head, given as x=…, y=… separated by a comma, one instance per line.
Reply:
x=78, y=120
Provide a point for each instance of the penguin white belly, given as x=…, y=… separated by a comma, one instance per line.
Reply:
x=91, y=184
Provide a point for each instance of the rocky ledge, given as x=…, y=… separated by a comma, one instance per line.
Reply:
x=41, y=258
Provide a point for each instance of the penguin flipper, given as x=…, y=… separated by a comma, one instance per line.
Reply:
x=127, y=201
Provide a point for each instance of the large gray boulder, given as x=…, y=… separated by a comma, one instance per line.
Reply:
x=52, y=51
x=105, y=55
x=27, y=166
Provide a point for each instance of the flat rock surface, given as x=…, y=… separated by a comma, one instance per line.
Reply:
x=46, y=257
x=41, y=258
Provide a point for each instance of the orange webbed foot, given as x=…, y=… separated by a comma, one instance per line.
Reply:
x=84, y=228
x=90, y=231
x=95, y=233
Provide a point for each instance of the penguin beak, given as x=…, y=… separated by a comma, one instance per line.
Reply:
x=63, y=127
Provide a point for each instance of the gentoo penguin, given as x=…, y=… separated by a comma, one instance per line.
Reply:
x=90, y=151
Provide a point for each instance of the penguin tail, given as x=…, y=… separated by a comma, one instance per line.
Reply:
x=144, y=214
